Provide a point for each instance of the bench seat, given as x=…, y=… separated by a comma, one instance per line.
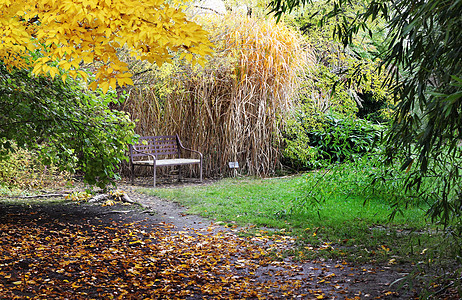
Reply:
x=169, y=162
x=161, y=151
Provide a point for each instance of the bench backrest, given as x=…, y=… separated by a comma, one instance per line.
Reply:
x=156, y=145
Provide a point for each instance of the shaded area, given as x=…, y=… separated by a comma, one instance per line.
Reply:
x=83, y=251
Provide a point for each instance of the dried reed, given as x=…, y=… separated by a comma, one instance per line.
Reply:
x=231, y=109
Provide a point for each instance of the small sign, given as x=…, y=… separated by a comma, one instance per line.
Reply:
x=233, y=165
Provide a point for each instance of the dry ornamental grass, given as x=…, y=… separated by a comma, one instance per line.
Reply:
x=230, y=110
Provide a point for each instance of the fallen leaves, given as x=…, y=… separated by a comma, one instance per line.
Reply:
x=43, y=258
x=59, y=260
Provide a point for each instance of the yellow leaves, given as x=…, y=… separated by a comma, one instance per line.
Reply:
x=111, y=76
x=104, y=86
x=109, y=202
x=187, y=56
x=53, y=72
x=78, y=196
x=124, y=78
x=113, y=82
x=125, y=81
x=75, y=285
x=65, y=65
x=93, y=85
x=385, y=248
x=212, y=289
x=83, y=75
x=37, y=69
x=100, y=261
x=14, y=41
x=91, y=31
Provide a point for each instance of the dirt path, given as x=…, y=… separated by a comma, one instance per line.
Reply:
x=336, y=279
x=167, y=211
x=235, y=267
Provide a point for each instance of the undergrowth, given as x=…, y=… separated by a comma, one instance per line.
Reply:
x=21, y=171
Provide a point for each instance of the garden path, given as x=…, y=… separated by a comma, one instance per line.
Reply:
x=336, y=279
x=63, y=249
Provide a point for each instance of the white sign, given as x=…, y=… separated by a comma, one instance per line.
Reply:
x=233, y=165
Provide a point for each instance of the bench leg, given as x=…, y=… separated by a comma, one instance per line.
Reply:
x=154, y=173
x=132, y=173
x=179, y=173
x=200, y=167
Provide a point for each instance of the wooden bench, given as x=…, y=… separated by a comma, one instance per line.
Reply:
x=160, y=151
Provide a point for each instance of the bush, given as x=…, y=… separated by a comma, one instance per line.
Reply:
x=342, y=93
x=66, y=125
x=313, y=141
x=22, y=169
x=345, y=80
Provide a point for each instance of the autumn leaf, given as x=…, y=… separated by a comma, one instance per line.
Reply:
x=90, y=257
x=70, y=32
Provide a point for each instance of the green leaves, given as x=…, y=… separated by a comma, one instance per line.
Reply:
x=65, y=124
x=317, y=141
x=422, y=54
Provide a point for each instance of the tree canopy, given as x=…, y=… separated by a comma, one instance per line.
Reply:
x=69, y=33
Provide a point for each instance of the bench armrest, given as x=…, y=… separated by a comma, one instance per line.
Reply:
x=194, y=151
x=187, y=149
x=141, y=152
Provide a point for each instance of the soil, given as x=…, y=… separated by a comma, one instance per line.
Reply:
x=348, y=281
x=167, y=211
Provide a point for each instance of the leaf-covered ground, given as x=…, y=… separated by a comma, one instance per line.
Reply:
x=70, y=251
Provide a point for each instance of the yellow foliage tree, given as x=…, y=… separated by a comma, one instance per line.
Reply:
x=69, y=33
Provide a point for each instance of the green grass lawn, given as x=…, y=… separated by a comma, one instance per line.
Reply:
x=338, y=222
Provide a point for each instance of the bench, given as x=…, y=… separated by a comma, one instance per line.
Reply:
x=160, y=151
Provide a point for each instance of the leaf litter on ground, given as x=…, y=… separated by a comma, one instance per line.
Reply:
x=51, y=252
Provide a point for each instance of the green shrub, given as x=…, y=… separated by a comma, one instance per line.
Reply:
x=313, y=141
x=21, y=169
x=64, y=124
x=347, y=80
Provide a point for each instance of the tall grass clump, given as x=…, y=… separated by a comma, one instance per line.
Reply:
x=230, y=109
